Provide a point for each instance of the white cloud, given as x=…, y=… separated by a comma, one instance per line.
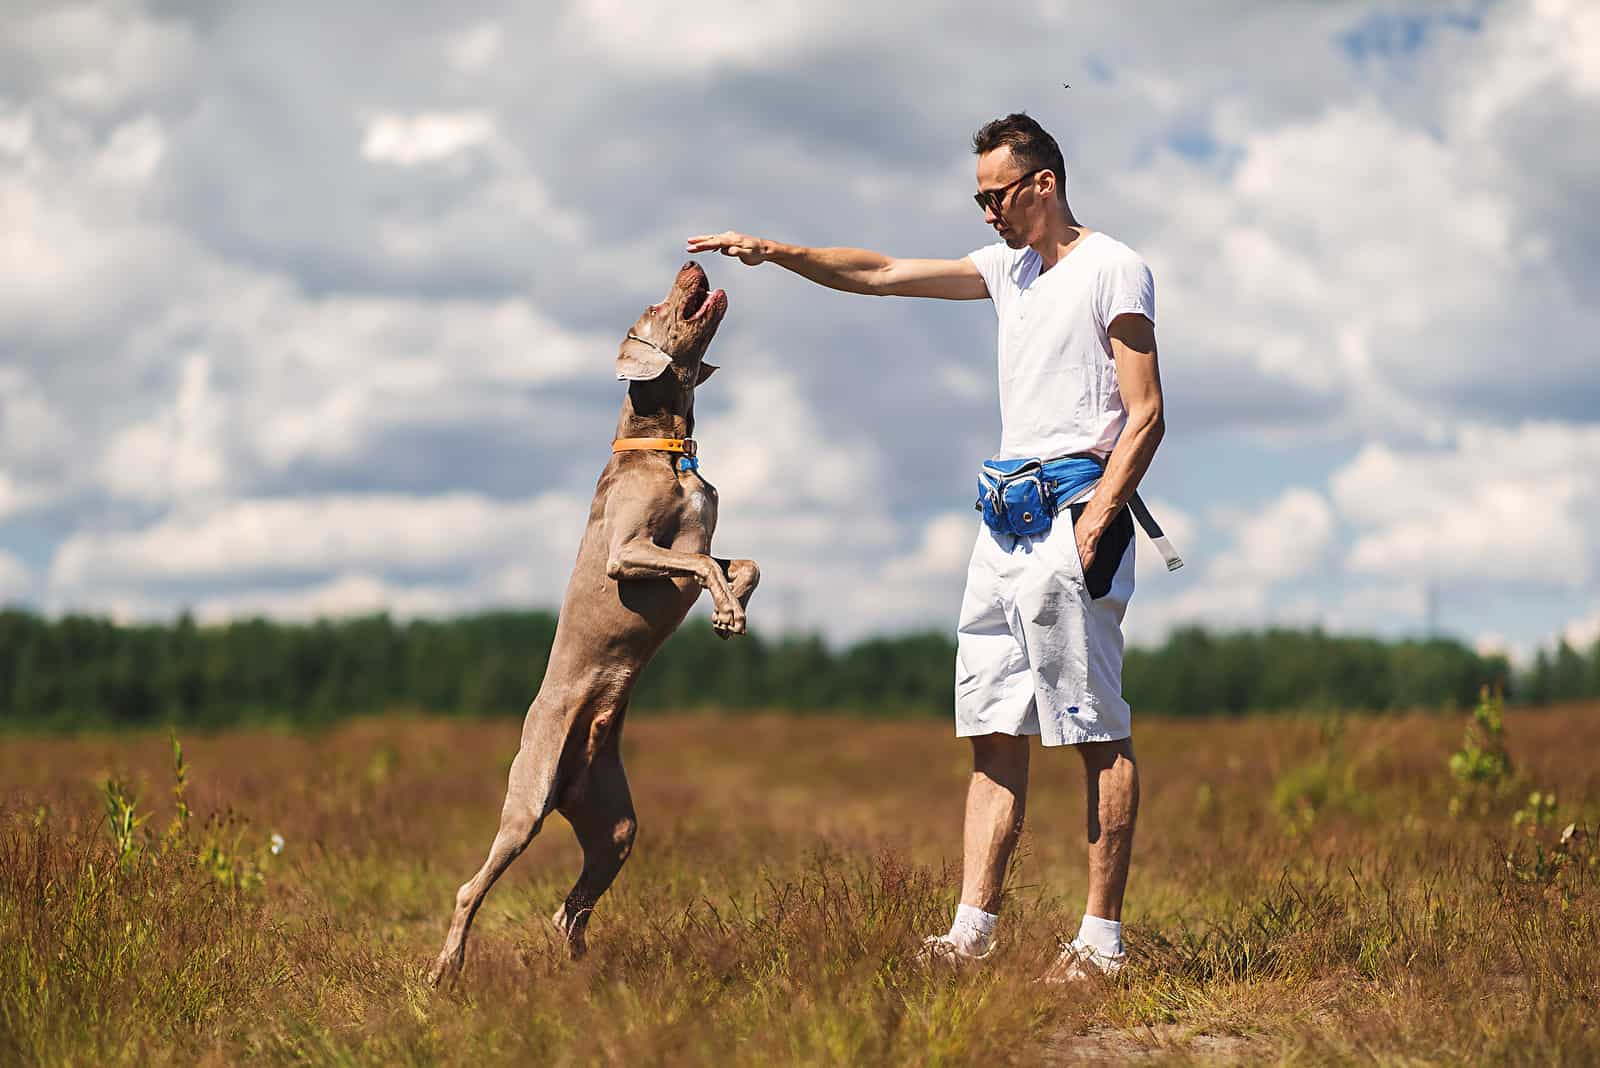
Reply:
x=474, y=48
x=31, y=425
x=966, y=381
x=133, y=151
x=347, y=594
x=1498, y=506
x=920, y=587
x=1153, y=614
x=1286, y=539
x=13, y=499
x=1274, y=546
x=665, y=36
x=427, y=137
x=16, y=134
x=99, y=56
x=330, y=375
x=318, y=535
x=177, y=454
x=1584, y=632
x=772, y=452
x=1384, y=306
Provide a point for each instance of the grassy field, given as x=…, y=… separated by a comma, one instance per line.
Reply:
x=1304, y=891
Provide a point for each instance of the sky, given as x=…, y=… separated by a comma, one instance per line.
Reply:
x=309, y=309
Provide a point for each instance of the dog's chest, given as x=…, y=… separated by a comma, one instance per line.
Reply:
x=697, y=510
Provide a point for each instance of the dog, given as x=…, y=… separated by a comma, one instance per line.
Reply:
x=644, y=558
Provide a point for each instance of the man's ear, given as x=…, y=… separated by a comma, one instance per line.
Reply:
x=706, y=371
x=638, y=362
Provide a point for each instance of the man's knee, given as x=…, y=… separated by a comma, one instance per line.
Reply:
x=1103, y=756
x=994, y=753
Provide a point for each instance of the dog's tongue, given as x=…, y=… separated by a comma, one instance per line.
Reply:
x=706, y=305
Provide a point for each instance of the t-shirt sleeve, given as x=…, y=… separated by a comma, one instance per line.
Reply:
x=990, y=262
x=1126, y=285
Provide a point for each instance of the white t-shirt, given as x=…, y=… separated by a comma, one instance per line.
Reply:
x=1058, y=382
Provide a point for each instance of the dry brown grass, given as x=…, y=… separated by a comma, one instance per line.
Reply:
x=1300, y=895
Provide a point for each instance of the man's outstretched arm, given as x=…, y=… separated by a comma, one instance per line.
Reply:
x=854, y=270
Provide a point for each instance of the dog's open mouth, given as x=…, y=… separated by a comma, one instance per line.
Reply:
x=708, y=303
x=700, y=299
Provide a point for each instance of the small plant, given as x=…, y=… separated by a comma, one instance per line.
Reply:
x=1537, y=814
x=124, y=820
x=1482, y=766
x=178, y=830
x=1206, y=808
x=1325, y=782
x=1574, y=850
x=222, y=854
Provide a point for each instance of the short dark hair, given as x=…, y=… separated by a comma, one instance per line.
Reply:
x=1031, y=146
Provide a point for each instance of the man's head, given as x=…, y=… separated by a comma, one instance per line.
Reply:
x=675, y=333
x=1022, y=179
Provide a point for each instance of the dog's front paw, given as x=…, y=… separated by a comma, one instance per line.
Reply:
x=728, y=620
x=743, y=576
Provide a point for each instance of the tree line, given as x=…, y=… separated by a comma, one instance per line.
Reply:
x=79, y=671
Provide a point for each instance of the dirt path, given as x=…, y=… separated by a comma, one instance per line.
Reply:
x=1165, y=1042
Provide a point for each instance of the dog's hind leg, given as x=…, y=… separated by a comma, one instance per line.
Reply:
x=601, y=814
x=528, y=800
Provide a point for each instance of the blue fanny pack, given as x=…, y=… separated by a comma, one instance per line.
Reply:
x=1021, y=497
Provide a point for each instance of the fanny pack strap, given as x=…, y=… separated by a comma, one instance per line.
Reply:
x=1141, y=513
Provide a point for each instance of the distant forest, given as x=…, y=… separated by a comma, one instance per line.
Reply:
x=80, y=671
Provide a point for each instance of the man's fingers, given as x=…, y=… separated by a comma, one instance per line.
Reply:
x=729, y=243
x=707, y=242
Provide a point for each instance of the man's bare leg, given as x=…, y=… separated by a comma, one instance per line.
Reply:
x=996, y=799
x=1111, y=782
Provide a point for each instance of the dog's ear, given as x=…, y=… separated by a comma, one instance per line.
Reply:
x=706, y=371
x=638, y=362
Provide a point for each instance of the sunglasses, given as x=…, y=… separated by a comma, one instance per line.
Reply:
x=994, y=199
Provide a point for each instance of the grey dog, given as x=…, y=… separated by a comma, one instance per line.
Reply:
x=644, y=559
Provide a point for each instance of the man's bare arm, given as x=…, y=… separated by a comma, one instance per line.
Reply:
x=854, y=270
x=1133, y=347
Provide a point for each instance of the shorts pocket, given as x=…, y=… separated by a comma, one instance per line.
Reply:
x=1107, y=555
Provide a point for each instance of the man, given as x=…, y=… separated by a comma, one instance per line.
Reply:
x=1039, y=641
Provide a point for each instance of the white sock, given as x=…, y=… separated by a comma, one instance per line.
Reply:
x=1104, y=935
x=973, y=930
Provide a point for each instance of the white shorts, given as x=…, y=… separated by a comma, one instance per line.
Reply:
x=1039, y=645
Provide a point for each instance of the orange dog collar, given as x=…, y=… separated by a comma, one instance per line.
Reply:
x=683, y=445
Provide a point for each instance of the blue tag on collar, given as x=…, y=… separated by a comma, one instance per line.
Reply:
x=688, y=463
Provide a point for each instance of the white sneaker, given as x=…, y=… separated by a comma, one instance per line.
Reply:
x=945, y=951
x=1080, y=961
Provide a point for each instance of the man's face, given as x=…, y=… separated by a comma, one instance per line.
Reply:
x=1017, y=206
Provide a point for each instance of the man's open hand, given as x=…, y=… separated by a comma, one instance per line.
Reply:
x=730, y=243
